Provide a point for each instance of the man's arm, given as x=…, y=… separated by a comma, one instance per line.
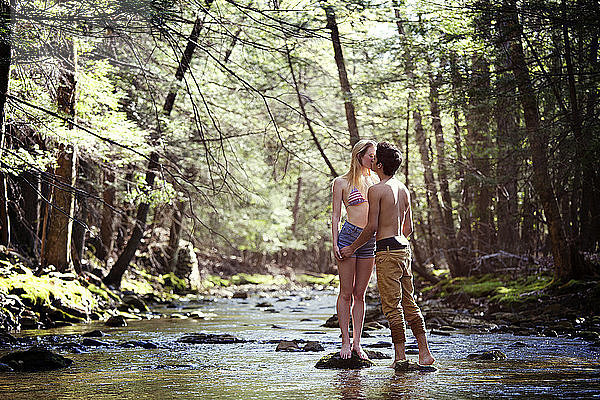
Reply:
x=372, y=224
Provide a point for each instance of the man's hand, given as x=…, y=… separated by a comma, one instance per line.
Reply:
x=347, y=251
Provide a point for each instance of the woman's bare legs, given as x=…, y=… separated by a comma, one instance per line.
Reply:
x=362, y=275
x=346, y=271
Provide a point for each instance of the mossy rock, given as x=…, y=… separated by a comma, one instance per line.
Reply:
x=334, y=361
x=35, y=359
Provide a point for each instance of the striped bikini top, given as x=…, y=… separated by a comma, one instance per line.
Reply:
x=355, y=197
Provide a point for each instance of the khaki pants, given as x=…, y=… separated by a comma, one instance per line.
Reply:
x=395, y=283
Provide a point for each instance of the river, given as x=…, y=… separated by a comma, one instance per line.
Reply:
x=536, y=367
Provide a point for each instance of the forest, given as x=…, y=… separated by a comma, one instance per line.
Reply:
x=140, y=132
x=144, y=124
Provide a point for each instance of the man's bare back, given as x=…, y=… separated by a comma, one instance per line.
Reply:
x=392, y=205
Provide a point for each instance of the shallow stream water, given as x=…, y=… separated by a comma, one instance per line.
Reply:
x=536, y=367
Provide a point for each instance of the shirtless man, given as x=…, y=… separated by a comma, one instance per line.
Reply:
x=390, y=216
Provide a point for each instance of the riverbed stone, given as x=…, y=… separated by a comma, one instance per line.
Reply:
x=240, y=294
x=35, y=359
x=379, y=345
x=332, y=322
x=334, y=361
x=313, y=346
x=264, y=304
x=588, y=335
x=439, y=333
x=5, y=368
x=377, y=355
x=94, y=342
x=116, y=321
x=408, y=366
x=287, y=345
x=133, y=301
x=549, y=333
x=138, y=343
x=201, y=338
x=94, y=333
x=489, y=355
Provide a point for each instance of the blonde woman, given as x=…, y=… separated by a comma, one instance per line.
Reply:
x=355, y=271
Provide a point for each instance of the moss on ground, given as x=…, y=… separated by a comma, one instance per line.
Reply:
x=259, y=279
x=320, y=279
x=496, y=288
x=215, y=280
x=41, y=291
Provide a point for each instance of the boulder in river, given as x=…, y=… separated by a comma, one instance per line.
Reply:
x=116, y=320
x=35, y=359
x=201, y=338
x=287, y=345
x=490, y=355
x=334, y=361
x=313, y=346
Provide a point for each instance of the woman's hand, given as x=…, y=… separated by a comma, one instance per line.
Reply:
x=336, y=253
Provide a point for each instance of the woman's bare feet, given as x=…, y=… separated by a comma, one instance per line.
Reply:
x=359, y=351
x=346, y=351
x=426, y=360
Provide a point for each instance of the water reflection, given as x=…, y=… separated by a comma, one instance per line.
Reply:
x=350, y=384
x=404, y=386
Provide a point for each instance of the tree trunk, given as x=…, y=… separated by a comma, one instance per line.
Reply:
x=464, y=231
x=116, y=273
x=436, y=122
x=345, y=84
x=107, y=226
x=567, y=260
x=6, y=23
x=508, y=140
x=59, y=220
x=79, y=226
x=478, y=116
x=296, y=207
x=175, y=234
x=57, y=248
x=430, y=185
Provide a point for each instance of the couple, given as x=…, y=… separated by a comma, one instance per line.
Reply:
x=378, y=222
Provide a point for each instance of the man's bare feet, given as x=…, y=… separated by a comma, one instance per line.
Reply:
x=426, y=360
x=345, y=352
x=359, y=351
x=399, y=362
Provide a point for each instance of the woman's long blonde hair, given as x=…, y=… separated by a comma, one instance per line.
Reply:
x=354, y=175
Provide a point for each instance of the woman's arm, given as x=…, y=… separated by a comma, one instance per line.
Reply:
x=336, y=214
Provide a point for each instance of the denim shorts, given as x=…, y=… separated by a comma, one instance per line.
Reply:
x=348, y=235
